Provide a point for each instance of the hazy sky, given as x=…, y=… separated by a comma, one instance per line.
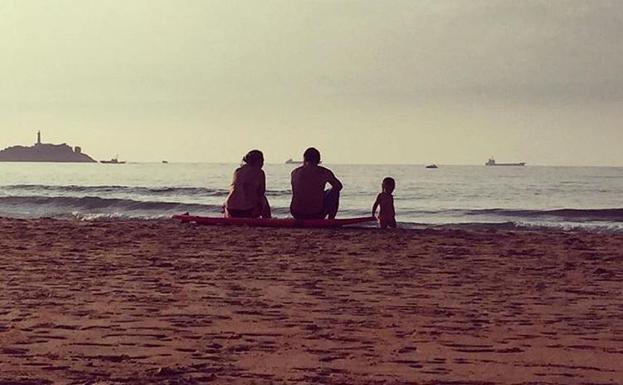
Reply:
x=364, y=81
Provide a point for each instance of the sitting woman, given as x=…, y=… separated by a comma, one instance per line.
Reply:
x=247, y=197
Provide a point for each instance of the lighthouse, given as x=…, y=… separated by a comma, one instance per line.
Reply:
x=39, y=137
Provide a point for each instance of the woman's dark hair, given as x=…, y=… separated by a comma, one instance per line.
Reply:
x=311, y=155
x=254, y=158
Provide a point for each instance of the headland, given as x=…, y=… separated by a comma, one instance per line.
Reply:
x=44, y=152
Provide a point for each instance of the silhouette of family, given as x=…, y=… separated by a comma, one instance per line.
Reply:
x=310, y=199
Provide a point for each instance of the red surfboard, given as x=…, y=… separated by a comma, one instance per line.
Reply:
x=272, y=222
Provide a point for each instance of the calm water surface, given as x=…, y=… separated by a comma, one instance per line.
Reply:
x=544, y=196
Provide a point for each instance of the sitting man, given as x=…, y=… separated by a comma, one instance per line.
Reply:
x=309, y=198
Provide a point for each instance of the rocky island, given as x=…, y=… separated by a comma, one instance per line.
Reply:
x=44, y=152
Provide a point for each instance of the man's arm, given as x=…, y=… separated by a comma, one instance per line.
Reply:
x=335, y=183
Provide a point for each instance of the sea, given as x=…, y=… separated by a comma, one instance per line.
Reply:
x=587, y=198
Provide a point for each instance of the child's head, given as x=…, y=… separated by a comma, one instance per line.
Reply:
x=389, y=184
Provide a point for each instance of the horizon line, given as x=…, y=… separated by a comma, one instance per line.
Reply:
x=341, y=164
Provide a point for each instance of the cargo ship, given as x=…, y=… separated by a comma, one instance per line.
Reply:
x=114, y=160
x=492, y=162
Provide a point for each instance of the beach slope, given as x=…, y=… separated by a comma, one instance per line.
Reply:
x=157, y=302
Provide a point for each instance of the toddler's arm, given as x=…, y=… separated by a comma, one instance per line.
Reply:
x=375, y=206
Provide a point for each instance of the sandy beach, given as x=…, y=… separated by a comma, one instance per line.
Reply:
x=156, y=302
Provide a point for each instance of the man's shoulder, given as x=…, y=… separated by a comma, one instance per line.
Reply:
x=325, y=170
x=312, y=171
x=296, y=170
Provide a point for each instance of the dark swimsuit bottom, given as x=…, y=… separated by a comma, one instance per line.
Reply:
x=241, y=213
x=331, y=202
x=309, y=216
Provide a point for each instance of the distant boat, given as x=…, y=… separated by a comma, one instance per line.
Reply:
x=165, y=161
x=114, y=160
x=290, y=161
x=492, y=162
x=432, y=166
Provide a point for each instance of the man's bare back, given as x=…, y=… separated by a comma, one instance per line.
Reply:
x=308, y=189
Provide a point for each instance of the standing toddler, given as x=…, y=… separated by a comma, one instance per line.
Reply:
x=385, y=200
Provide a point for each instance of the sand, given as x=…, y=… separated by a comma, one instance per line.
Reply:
x=156, y=302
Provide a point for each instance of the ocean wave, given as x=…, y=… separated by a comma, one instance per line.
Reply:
x=568, y=214
x=93, y=207
x=90, y=203
x=581, y=215
x=111, y=189
x=120, y=189
x=600, y=227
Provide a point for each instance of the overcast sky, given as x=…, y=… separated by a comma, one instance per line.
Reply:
x=449, y=82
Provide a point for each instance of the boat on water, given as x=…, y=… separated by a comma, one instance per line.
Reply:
x=432, y=166
x=492, y=162
x=165, y=161
x=291, y=161
x=114, y=160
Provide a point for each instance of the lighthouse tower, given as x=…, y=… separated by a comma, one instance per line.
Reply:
x=38, y=137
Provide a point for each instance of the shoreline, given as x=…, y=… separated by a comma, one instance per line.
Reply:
x=590, y=228
x=157, y=302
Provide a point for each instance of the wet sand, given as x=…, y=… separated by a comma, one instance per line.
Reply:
x=135, y=302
